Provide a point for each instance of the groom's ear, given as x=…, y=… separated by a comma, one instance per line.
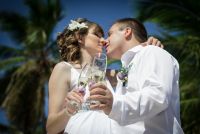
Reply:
x=128, y=32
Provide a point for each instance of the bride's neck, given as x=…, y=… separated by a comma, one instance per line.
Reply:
x=86, y=58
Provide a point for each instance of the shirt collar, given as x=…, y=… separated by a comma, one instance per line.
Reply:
x=129, y=55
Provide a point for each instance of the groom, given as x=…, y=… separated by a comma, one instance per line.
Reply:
x=146, y=100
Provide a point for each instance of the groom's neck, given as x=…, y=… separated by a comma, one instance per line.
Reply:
x=130, y=44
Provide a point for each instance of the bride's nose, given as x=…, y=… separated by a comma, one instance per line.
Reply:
x=103, y=42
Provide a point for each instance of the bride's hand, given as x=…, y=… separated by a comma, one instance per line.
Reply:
x=72, y=102
x=153, y=41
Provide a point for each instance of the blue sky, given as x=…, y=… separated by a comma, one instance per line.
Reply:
x=103, y=12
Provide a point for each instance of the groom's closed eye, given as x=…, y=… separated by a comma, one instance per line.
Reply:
x=109, y=33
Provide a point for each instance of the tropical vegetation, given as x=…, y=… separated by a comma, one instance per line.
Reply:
x=25, y=68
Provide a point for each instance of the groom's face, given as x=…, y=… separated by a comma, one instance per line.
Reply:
x=115, y=42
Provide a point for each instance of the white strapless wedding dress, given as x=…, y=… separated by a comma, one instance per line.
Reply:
x=87, y=122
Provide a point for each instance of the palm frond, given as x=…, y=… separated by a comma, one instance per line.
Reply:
x=24, y=96
x=25, y=93
x=49, y=13
x=4, y=81
x=6, y=51
x=14, y=24
x=10, y=62
x=185, y=14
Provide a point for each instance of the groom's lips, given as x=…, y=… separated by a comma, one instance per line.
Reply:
x=105, y=46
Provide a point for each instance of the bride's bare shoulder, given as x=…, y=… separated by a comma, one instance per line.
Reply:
x=61, y=66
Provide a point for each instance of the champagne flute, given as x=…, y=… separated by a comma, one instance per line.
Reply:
x=98, y=71
x=83, y=79
x=81, y=88
x=82, y=85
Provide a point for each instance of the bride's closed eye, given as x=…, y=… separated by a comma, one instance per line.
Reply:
x=98, y=35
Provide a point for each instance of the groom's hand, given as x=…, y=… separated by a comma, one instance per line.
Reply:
x=99, y=92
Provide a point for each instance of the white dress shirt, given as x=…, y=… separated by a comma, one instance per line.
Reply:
x=149, y=104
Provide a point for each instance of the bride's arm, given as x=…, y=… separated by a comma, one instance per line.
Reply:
x=59, y=82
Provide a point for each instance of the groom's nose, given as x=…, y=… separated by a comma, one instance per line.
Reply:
x=107, y=42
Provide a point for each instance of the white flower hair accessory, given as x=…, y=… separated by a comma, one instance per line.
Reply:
x=76, y=25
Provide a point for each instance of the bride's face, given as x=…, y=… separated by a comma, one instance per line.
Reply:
x=93, y=41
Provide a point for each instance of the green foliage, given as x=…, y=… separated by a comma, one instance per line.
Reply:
x=181, y=15
x=114, y=62
x=27, y=69
x=11, y=61
x=25, y=94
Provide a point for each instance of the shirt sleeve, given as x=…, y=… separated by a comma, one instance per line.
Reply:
x=148, y=94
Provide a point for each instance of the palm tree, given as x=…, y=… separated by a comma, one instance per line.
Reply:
x=27, y=67
x=180, y=22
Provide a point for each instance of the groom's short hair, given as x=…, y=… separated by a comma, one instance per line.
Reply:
x=138, y=28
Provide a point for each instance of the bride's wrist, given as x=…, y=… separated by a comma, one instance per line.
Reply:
x=69, y=114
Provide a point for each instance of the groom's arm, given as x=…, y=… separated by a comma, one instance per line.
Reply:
x=148, y=95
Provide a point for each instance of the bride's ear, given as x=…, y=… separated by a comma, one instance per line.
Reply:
x=80, y=39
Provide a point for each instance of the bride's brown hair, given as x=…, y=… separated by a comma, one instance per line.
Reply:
x=68, y=44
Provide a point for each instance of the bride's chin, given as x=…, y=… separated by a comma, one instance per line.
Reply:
x=107, y=51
